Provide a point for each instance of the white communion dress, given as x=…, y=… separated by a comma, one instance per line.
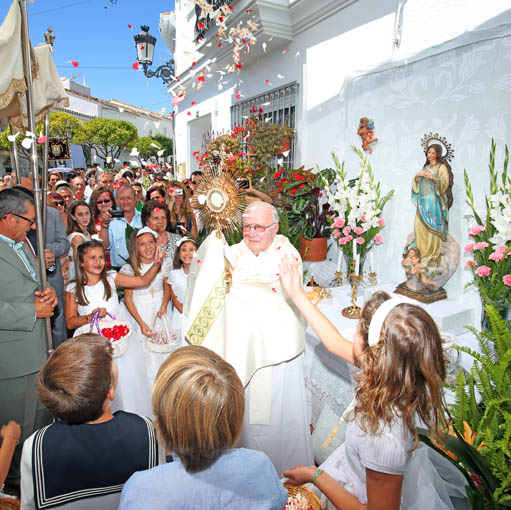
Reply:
x=178, y=280
x=430, y=481
x=147, y=301
x=132, y=393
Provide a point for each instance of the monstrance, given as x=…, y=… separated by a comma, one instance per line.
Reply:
x=219, y=200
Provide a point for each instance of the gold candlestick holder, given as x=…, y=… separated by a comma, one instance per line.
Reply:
x=353, y=311
x=339, y=279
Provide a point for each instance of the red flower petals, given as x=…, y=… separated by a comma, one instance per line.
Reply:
x=116, y=333
x=135, y=66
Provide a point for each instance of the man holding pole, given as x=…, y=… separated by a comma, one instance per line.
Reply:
x=24, y=307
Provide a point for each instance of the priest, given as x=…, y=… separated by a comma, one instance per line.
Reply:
x=235, y=306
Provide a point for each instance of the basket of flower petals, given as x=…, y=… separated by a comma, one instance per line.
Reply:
x=301, y=498
x=115, y=330
x=164, y=338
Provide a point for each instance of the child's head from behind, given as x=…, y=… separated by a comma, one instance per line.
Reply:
x=199, y=402
x=184, y=252
x=75, y=381
x=404, y=370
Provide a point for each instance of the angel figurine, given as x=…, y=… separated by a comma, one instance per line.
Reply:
x=366, y=132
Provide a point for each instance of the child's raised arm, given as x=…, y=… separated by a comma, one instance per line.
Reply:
x=133, y=282
x=326, y=331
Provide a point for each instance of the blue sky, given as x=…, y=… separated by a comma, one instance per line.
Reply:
x=95, y=33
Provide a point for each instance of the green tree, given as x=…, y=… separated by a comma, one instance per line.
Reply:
x=145, y=149
x=165, y=143
x=62, y=124
x=106, y=137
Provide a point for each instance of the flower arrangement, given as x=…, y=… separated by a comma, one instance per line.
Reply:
x=356, y=208
x=491, y=239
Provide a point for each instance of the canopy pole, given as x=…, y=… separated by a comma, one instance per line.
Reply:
x=46, y=151
x=27, y=64
x=15, y=161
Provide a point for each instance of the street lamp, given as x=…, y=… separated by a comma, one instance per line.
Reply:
x=145, y=43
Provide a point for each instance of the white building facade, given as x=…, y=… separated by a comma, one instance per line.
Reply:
x=412, y=66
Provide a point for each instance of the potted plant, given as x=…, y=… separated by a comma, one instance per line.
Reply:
x=304, y=210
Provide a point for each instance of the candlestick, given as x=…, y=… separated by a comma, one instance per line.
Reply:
x=339, y=259
x=357, y=264
x=371, y=261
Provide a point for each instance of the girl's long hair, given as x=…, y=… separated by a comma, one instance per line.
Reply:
x=177, y=263
x=81, y=277
x=72, y=224
x=404, y=373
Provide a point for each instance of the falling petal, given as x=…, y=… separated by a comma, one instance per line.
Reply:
x=29, y=133
x=41, y=139
x=160, y=153
x=285, y=154
x=27, y=143
x=155, y=146
x=135, y=66
x=286, y=50
x=11, y=138
x=264, y=46
x=297, y=54
x=134, y=152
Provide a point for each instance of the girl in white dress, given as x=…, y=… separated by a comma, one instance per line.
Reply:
x=402, y=371
x=178, y=278
x=94, y=291
x=146, y=303
x=80, y=229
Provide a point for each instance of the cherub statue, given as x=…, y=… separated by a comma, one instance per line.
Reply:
x=366, y=132
x=49, y=36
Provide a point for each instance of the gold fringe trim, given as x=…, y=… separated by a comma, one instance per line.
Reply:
x=17, y=86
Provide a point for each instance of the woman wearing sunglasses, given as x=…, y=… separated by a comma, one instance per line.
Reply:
x=55, y=200
x=101, y=201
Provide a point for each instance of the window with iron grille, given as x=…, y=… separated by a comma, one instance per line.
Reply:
x=278, y=106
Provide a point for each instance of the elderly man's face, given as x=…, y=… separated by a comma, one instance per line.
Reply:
x=255, y=219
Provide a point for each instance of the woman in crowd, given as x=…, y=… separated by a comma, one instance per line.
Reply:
x=55, y=200
x=101, y=201
x=199, y=401
x=53, y=178
x=402, y=372
x=182, y=220
x=156, y=193
x=147, y=303
x=95, y=291
x=79, y=230
x=65, y=190
x=155, y=215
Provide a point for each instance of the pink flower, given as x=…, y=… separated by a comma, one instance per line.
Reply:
x=358, y=230
x=496, y=255
x=343, y=241
x=346, y=230
x=483, y=271
x=470, y=263
x=381, y=222
x=339, y=222
x=363, y=218
x=507, y=280
x=336, y=234
x=481, y=246
x=378, y=238
x=349, y=238
x=475, y=230
x=469, y=247
x=360, y=240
